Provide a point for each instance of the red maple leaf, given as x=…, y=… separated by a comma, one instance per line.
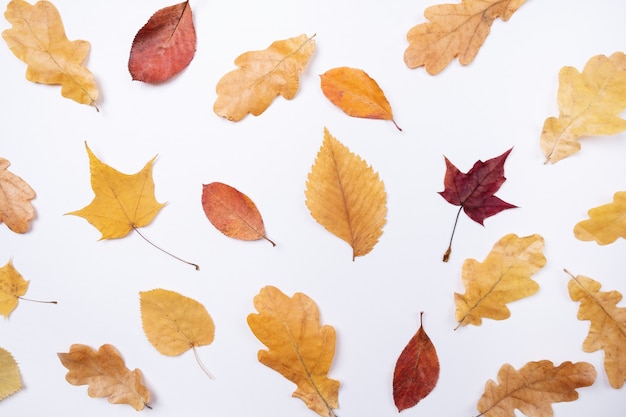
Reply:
x=474, y=191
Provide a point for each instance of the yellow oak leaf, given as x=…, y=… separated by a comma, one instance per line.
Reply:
x=261, y=76
x=503, y=277
x=38, y=38
x=12, y=287
x=299, y=347
x=590, y=104
x=607, y=330
x=346, y=196
x=10, y=379
x=106, y=374
x=454, y=30
x=534, y=388
x=15, y=195
x=606, y=223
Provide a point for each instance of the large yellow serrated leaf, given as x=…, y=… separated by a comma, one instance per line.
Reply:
x=12, y=286
x=606, y=223
x=10, y=379
x=346, y=196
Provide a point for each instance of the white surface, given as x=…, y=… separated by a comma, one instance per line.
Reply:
x=466, y=113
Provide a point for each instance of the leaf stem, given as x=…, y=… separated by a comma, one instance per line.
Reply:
x=204, y=368
x=396, y=125
x=446, y=256
x=37, y=301
x=166, y=252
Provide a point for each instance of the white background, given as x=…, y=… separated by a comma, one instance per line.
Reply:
x=466, y=113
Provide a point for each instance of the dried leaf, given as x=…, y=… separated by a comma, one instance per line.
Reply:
x=607, y=330
x=164, y=46
x=534, y=388
x=232, y=212
x=356, y=93
x=346, y=196
x=12, y=287
x=299, y=348
x=15, y=195
x=10, y=379
x=590, y=104
x=503, y=277
x=454, y=30
x=606, y=223
x=106, y=374
x=38, y=38
x=262, y=75
x=416, y=372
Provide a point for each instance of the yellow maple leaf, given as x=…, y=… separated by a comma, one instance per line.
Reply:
x=106, y=374
x=346, y=196
x=590, y=104
x=606, y=223
x=38, y=38
x=15, y=195
x=454, y=30
x=262, y=75
x=299, y=347
x=607, y=330
x=503, y=277
x=10, y=379
x=12, y=287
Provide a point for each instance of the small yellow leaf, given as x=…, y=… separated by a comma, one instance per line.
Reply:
x=15, y=195
x=12, y=286
x=606, y=223
x=10, y=379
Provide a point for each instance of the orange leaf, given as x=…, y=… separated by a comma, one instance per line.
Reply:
x=606, y=223
x=356, y=93
x=12, y=287
x=15, y=195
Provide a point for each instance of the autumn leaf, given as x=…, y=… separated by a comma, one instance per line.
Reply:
x=106, y=375
x=607, y=330
x=416, y=372
x=261, y=76
x=299, y=348
x=356, y=93
x=232, y=212
x=474, y=191
x=38, y=38
x=346, y=196
x=454, y=30
x=15, y=195
x=10, y=379
x=590, y=104
x=606, y=223
x=12, y=288
x=534, y=388
x=164, y=46
x=504, y=276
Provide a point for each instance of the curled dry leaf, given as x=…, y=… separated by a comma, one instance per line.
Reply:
x=38, y=38
x=16, y=210
x=454, y=30
x=299, y=347
x=262, y=75
x=606, y=223
x=106, y=375
x=164, y=46
x=12, y=287
x=10, y=379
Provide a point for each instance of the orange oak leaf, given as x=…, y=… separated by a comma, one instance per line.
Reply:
x=606, y=223
x=504, y=276
x=16, y=210
x=356, y=93
x=346, y=196
x=106, y=375
x=164, y=46
x=38, y=38
x=10, y=378
x=232, y=212
x=534, y=388
x=12, y=287
x=590, y=104
x=261, y=76
x=454, y=30
x=607, y=330
x=416, y=372
x=299, y=348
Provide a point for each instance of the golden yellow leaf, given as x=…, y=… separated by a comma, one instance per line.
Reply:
x=454, y=30
x=606, y=223
x=38, y=38
x=10, y=379
x=12, y=287
x=503, y=277
x=590, y=104
x=607, y=330
x=15, y=195
x=299, y=348
x=346, y=196
x=262, y=75
x=534, y=388
x=106, y=374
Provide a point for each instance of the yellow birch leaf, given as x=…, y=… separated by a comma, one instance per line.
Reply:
x=15, y=195
x=38, y=38
x=590, y=104
x=12, y=287
x=261, y=76
x=503, y=277
x=606, y=223
x=10, y=379
x=299, y=347
x=346, y=196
